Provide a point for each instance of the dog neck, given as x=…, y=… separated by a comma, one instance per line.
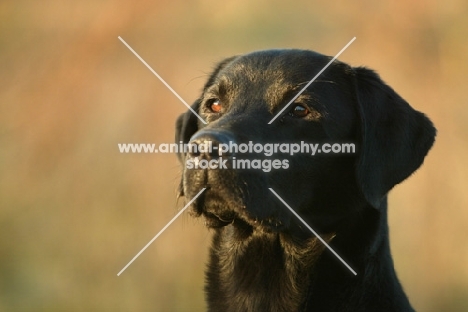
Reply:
x=249, y=267
x=254, y=270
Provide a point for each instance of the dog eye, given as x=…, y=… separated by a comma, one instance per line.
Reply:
x=215, y=106
x=299, y=111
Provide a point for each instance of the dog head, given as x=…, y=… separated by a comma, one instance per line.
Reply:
x=343, y=105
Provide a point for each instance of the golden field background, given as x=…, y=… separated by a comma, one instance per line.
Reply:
x=73, y=211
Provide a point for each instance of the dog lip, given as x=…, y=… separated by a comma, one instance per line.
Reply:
x=219, y=213
x=214, y=220
x=219, y=217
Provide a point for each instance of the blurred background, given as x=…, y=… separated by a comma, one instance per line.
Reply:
x=73, y=211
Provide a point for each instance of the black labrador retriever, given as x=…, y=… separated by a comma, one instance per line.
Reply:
x=262, y=257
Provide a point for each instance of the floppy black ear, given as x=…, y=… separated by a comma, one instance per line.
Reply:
x=187, y=123
x=395, y=137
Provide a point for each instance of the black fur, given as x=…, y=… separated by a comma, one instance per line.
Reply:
x=262, y=258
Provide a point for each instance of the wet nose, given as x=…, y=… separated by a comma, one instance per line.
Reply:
x=210, y=144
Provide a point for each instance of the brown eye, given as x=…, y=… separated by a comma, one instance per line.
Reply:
x=299, y=111
x=215, y=106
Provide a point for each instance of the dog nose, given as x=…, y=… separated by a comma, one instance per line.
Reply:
x=211, y=144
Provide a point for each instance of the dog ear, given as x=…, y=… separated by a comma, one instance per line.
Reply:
x=187, y=123
x=395, y=137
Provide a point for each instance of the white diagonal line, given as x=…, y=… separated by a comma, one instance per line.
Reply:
x=312, y=230
x=313, y=79
x=162, y=80
x=160, y=232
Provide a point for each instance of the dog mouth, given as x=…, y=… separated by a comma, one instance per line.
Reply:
x=219, y=220
x=213, y=209
x=222, y=205
x=216, y=217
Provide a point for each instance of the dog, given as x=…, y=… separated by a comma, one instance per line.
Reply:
x=262, y=257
